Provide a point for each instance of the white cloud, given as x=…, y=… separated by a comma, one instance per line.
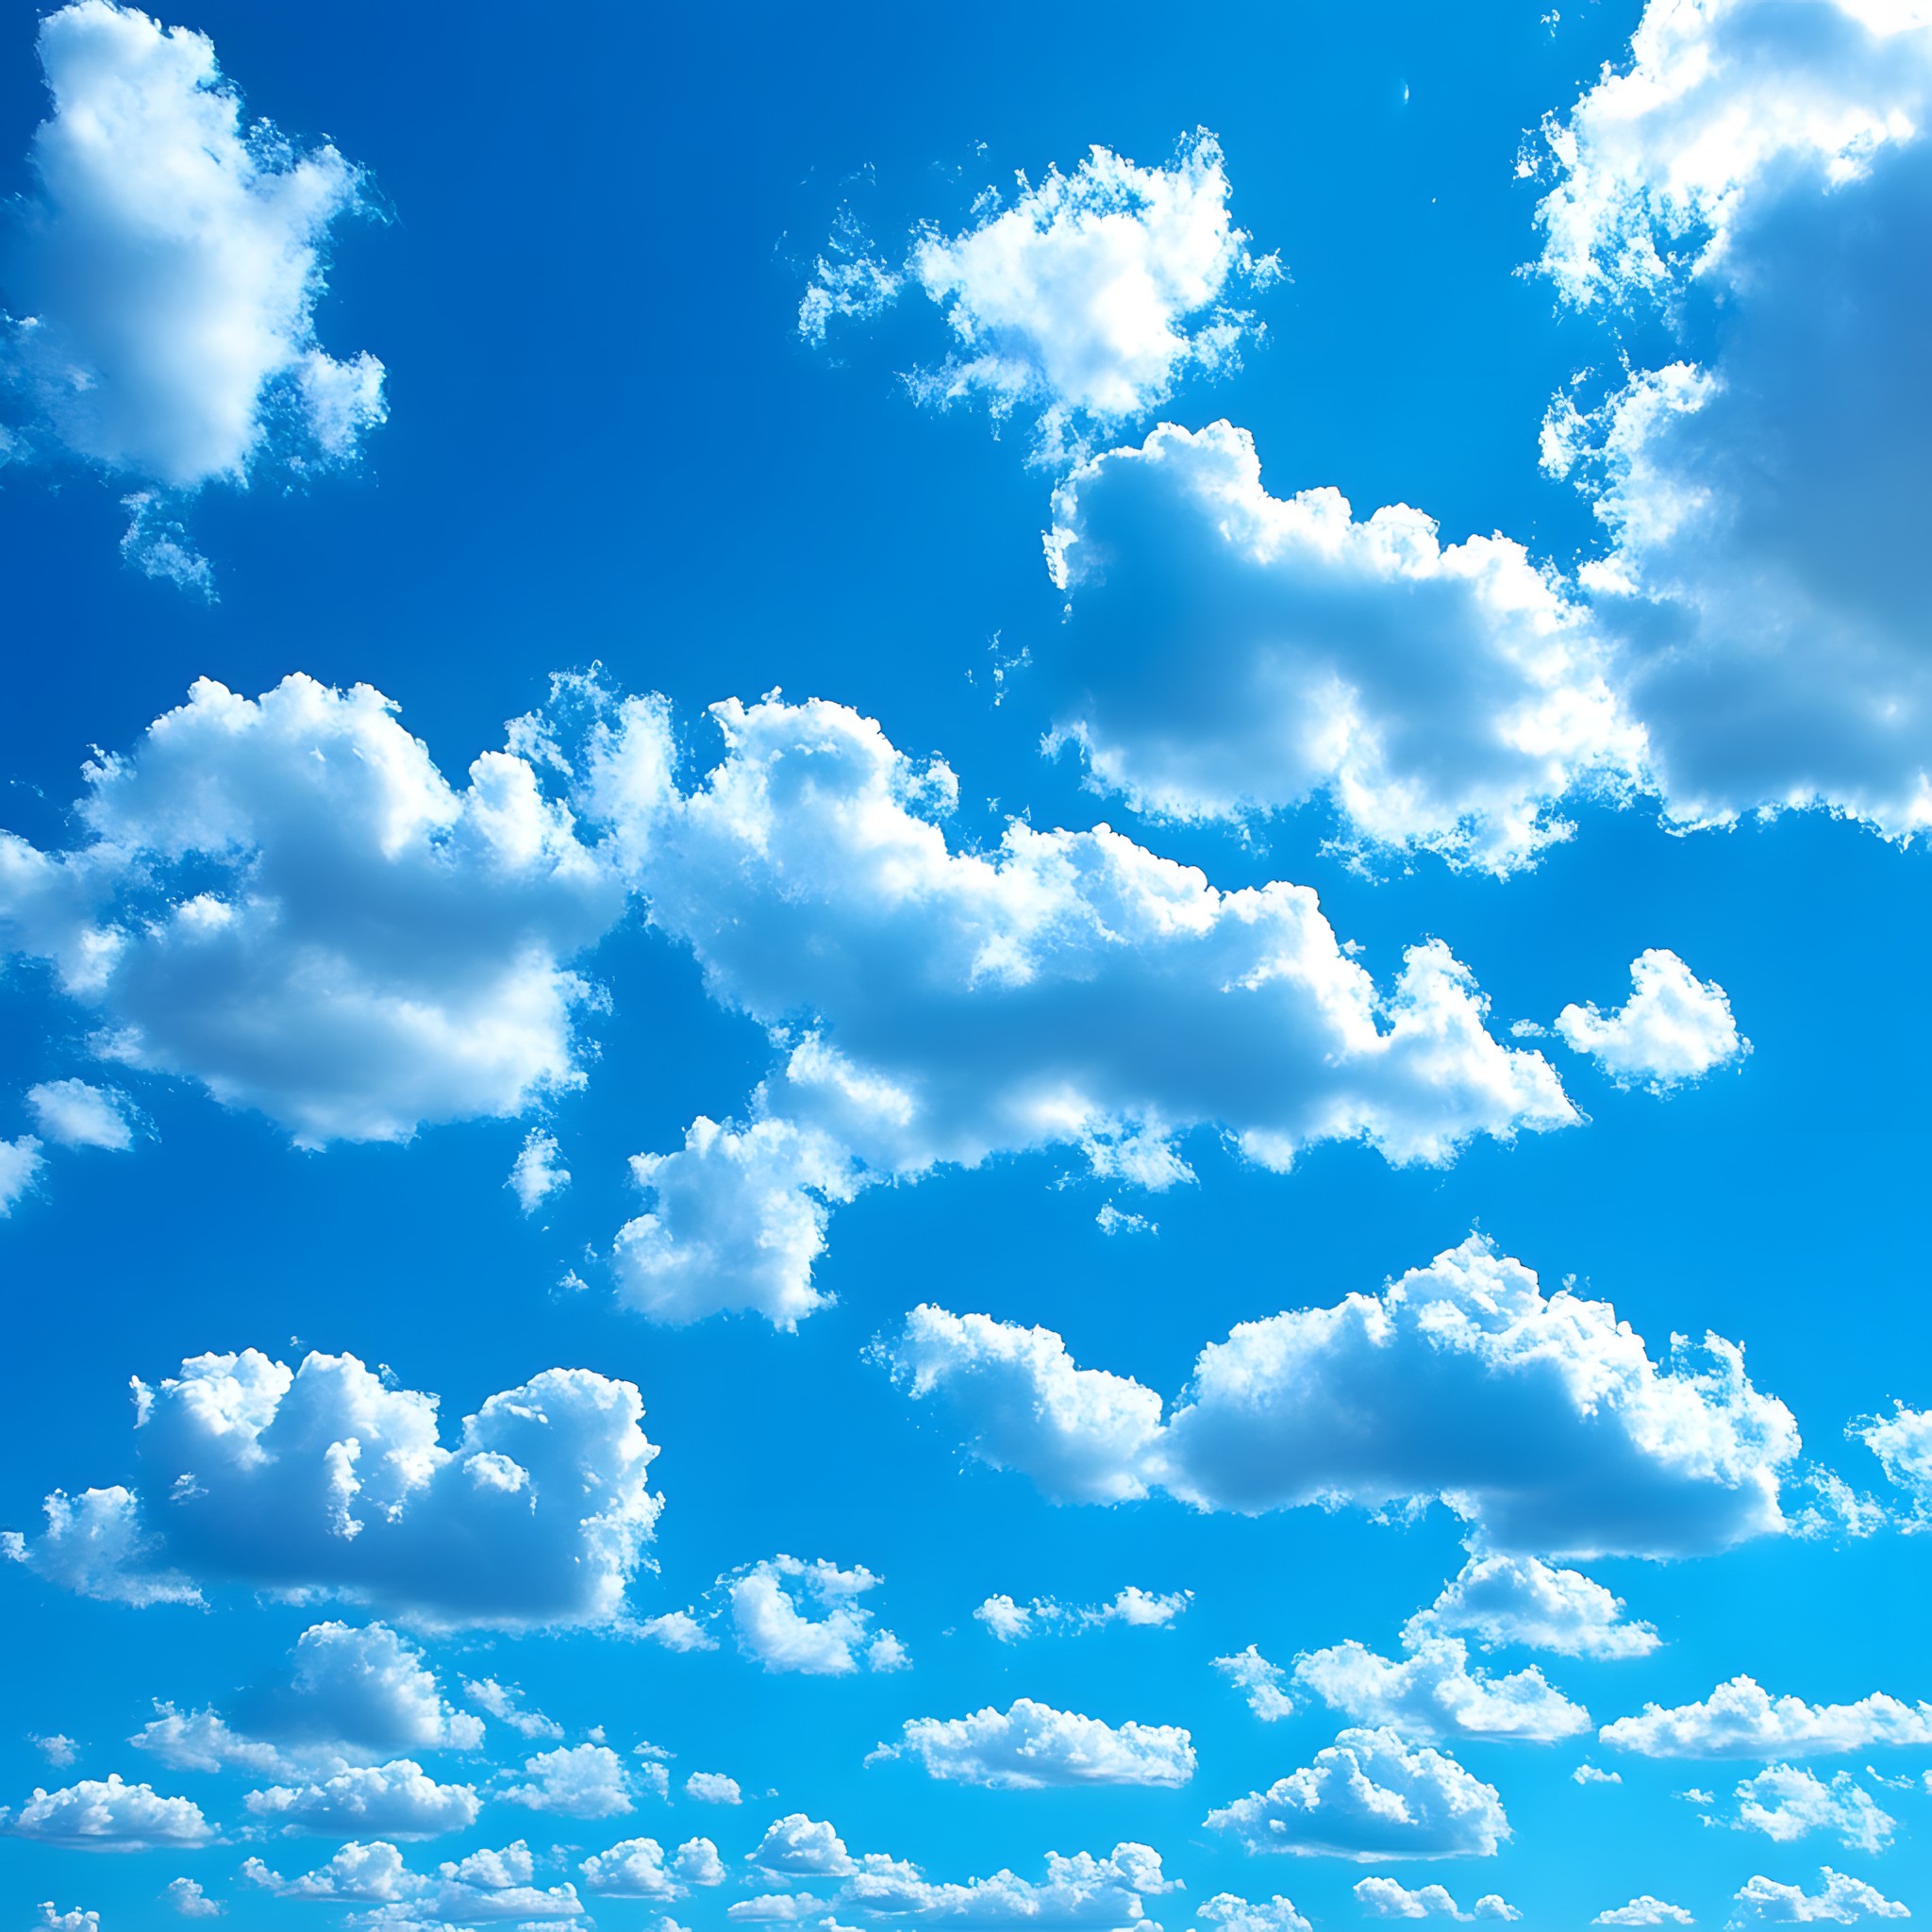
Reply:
x=504, y=1702
x=935, y=1005
x=397, y=1800
x=166, y=266
x=326, y=1478
x=1434, y=1693
x=1228, y=652
x=1787, y=1804
x=637, y=1867
x=1233, y=1914
x=1135, y=1606
x=1383, y=1898
x=585, y=1782
x=359, y=1873
x=1674, y=1028
x=73, y=1114
x=712, y=1788
x=191, y=1902
x=1543, y=1421
x=21, y=1161
x=75, y=1919
x=486, y=1885
x=1588, y=1773
x=60, y=1750
x=1033, y=1746
x=772, y=1628
x=1903, y=1443
x=850, y=281
x=1645, y=1910
x=105, y=1815
x=1370, y=1796
x=1501, y=1600
x=1843, y=1901
x=1741, y=1719
x=1260, y=1682
x=1760, y=172
x=796, y=1847
x=537, y=1172
x=678, y=1630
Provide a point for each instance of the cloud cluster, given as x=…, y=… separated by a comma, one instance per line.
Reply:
x=831, y=1638
x=1740, y=1719
x=1674, y=1028
x=73, y=1113
x=488, y=1886
x=584, y=1781
x=397, y=1800
x=1842, y=1901
x=1370, y=1796
x=107, y=1815
x=1032, y=1745
x=1233, y=1914
x=326, y=1478
x=1433, y=1692
x=1542, y=1421
x=1260, y=1682
x=1643, y=1910
x=1384, y=1898
x=1523, y=1600
x=1139, y=1609
x=1787, y=1804
x=639, y=1868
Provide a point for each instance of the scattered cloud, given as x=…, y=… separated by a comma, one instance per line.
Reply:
x=1233, y=1914
x=1384, y=1898
x=395, y=1800
x=712, y=1788
x=1787, y=1804
x=504, y=1702
x=1032, y=1745
x=537, y=1172
x=1741, y=1719
x=191, y=1902
x=1643, y=1910
x=1842, y=1901
x=1260, y=1682
x=772, y=1629
x=1523, y=1600
x=71, y=1113
x=1674, y=1028
x=1434, y=1693
x=107, y=1815
x=1141, y=1609
x=584, y=1781
x=637, y=1867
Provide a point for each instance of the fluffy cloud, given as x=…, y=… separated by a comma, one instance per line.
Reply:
x=1843, y=1901
x=285, y=900
x=97, y=1815
x=1787, y=1804
x=1141, y=1609
x=486, y=1885
x=677, y=1630
x=1643, y=1910
x=772, y=1628
x=585, y=1781
x=1523, y=1600
x=74, y=1115
x=1741, y=1719
x=1234, y=1914
x=21, y=1162
x=637, y=1867
x=1588, y=1773
x=1230, y=652
x=1674, y=1028
x=1033, y=1746
x=1433, y=1692
x=1066, y=989
x=60, y=1750
x=190, y=1901
x=1260, y=1682
x=1903, y=1443
x=712, y=1788
x=1759, y=171
x=166, y=266
x=1540, y=1420
x=537, y=1172
x=1383, y=1898
x=74, y=1920
x=1368, y=1797
x=357, y=1874
x=397, y=1800
x=503, y=1703
x=798, y=1846
x=325, y=1479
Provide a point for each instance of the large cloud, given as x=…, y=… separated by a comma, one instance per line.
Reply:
x=1842, y=1901
x=1368, y=1797
x=163, y=272
x=1033, y=1746
x=108, y=1815
x=1230, y=652
x=325, y=1479
x=1741, y=1719
x=1540, y=1419
x=1763, y=172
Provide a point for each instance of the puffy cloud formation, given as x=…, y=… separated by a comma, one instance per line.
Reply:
x=1233, y=1914
x=637, y=1867
x=73, y=1114
x=60, y=1750
x=1069, y=989
x=74, y=1920
x=190, y=1901
x=772, y=1629
x=397, y=1800
x=165, y=269
x=585, y=1782
x=504, y=1702
x=1643, y=1910
x=1434, y=1693
x=1760, y=171
x=1842, y=1901
x=1542, y=1421
x=1903, y=1443
x=1383, y=1898
x=285, y=900
x=1500, y=1600
x=1091, y=294
x=1260, y=1682
x=359, y=1873
x=1141, y=1609
x=1741, y=1719
x=494, y=1886
x=1033, y=1746
x=1787, y=1804
x=537, y=1172
x=107, y=1815
x=1370, y=1796
x=798, y=1846
x=677, y=1630
x=1229, y=652
x=1588, y=1773
x=712, y=1788
x=1674, y=1028
x=322, y=1477
x=21, y=1162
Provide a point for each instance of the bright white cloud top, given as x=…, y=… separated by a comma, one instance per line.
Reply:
x=1542, y=1421
x=1388, y=1898
x=1674, y=1028
x=1523, y=1600
x=108, y=1815
x=1741, y=1719
x=1840, y=1900
x=1233, y=1914
x=322, y=1478
x=1137, y=1608
x=1033, y=1746
x=1785, y=1804
x=790, y=1615
x=1434, y=1692
x=71, y=1113
x=1645, y=1909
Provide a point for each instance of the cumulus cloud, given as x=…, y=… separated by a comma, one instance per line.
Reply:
x=60, y=1750
x=164, y=269
x=1842, y=1901
x=1260, y=1682
x=1674, y=1028
x=1903, y=1443
x=504, y=1702
x=1758, y=172
x=637, y=1867
x=1787, y=1804
x=190, y=1901
x=1228, y=652
x=107, y=1815
x=1384, y=1898
x=1542, y=1421
x=712, y=1788
x=494, y=1886
x=1370, y=1796
x=1138, y=1608
x=677, y=1630
x=831, y=1639
x=585, y=1782
x=1523, y=1600
x=1588, y=1773
x=537, y=1172
x=1032, y=1745
x=1233, y=1914
x=1643, y=1910
x=1433, y=1692
x=21, y=1162
x=1741, y=1719
x=74, y=1920
x=397, y=1800
x=324, y=1478
x=73, y=1114
x=359, y=1873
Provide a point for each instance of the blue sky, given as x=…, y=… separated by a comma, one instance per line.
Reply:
x=929, y=952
